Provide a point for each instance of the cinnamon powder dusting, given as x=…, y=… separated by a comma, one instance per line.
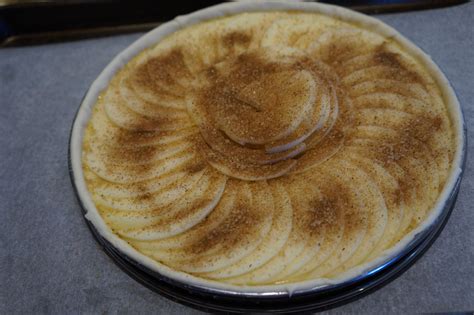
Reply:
x=199, y=138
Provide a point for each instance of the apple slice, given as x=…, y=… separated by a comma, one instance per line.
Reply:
x=320, y=113
x=145, y=108
x=152, y=94
x=356, y=221
x=127, y=174
x=249, y=172
x=217, y=141
x=183, y=214
x=341, y=43
x=323, y=151
x=209, y=241
x=189, y=237
x=113, y=190
x=310, y=222
x=238, y=236
x=390, y=189
x=391, y=100
x=417, y=176
x=165, y=71
x=103, y=130
x=266, y=109
x=327, y=220
x=139, y=155
x=414, y=90
x=270, y=245
x=294, y=246
x=128, y=119
x=296, y=31
x=376, y=209
x=152, y=201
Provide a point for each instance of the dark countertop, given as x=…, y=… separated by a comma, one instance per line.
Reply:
x=49, y=261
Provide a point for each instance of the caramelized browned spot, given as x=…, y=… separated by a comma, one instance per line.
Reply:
x=126, y=137
x=326, y=211
x=323, y=215
x=195, y=167
x=399, y=70
x=406, y=184
x=382, y=56
x=408, y=139
x=144, y=196
x=250, y=67
x=162, y=70
x=177, y=216
x=236, y=39
x=144, y=153
x=412, y=140
x=229, y=233
x=343, y=48
x=129, y=155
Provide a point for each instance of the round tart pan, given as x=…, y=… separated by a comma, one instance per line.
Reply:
x=313, y=299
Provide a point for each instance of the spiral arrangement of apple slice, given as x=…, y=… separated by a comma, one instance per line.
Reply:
x=288, y=147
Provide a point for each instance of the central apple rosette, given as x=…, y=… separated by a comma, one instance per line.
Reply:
x=263, y=115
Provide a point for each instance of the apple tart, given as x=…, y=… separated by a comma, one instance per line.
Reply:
x=268, y=147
